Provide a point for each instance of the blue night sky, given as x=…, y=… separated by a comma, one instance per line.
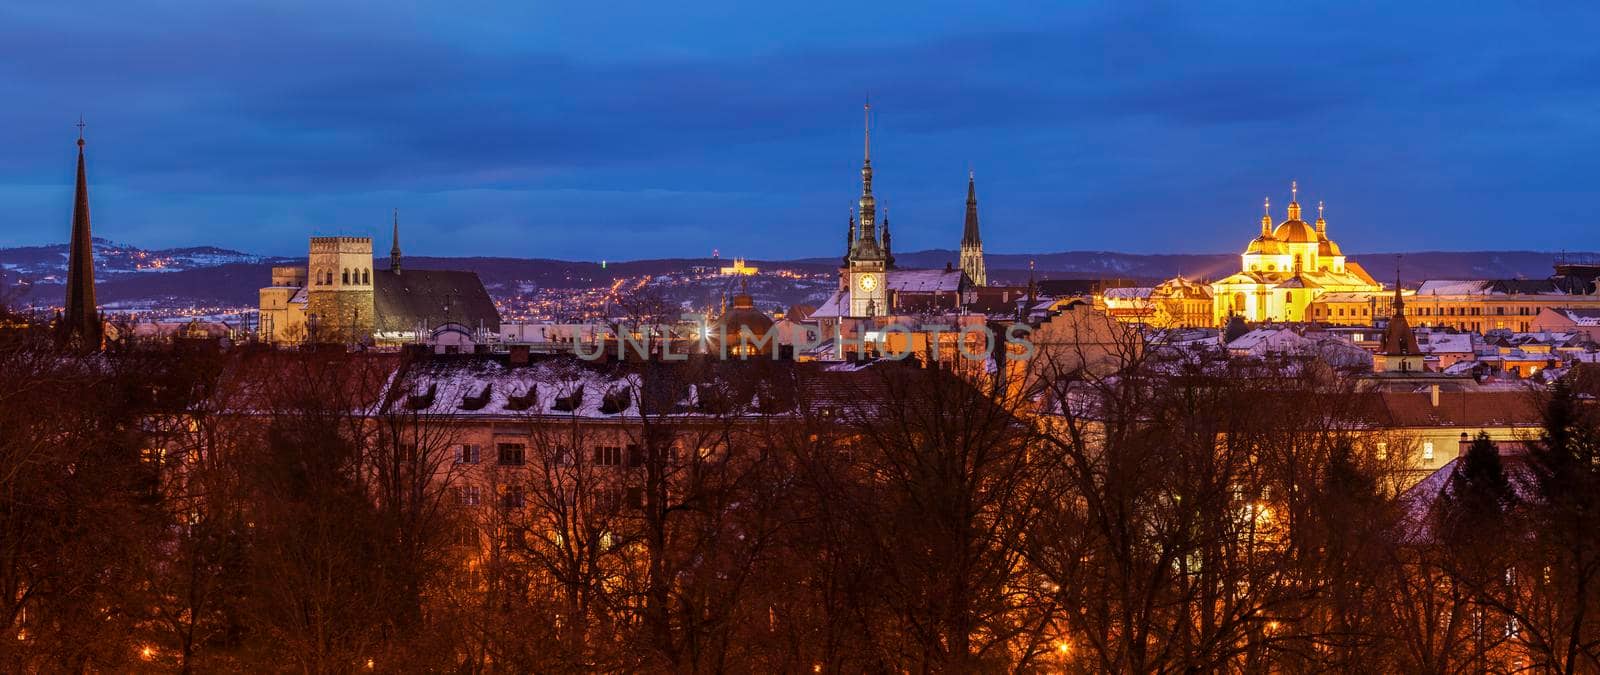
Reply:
x=629, y=129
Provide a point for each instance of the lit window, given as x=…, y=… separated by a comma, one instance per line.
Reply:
x=1427, y=450
x=1383, y=450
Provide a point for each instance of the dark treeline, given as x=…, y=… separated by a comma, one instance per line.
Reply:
x=196, y=510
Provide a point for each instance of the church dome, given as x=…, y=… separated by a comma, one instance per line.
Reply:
x=743, y=314
x=1295, y=231
x=1327, y=247
x=1265, y=245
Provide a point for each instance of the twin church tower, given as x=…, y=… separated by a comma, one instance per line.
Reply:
x=869, y=255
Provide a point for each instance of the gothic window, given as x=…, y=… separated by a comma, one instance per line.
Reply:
x=366, y=276
x=346, y=277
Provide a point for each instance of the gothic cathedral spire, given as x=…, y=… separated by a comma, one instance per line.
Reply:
x=81, y=319
x=971, y=242
x=394, y=251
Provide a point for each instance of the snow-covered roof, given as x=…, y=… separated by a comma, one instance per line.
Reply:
x=1128, y=293
x=1454, y=287
x=832, y=308
x=924, y=281
x=1450, y=343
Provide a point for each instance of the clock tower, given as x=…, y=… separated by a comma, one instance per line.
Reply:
x=867, y=265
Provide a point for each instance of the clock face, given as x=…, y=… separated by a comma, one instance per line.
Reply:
x=869, y=283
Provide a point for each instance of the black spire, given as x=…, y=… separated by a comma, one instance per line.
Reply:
x=81, y=319
x=850, y=239
x=969, y=233
x=394, y=251
x=888, y=252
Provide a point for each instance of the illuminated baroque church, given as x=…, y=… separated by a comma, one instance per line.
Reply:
x=1285, y=268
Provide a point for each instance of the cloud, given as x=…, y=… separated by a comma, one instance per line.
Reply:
x=526, y=129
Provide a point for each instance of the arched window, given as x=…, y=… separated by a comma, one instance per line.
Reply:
x=1238, y=302
x=366, y=276
x=1288, y=297
x=346, y=277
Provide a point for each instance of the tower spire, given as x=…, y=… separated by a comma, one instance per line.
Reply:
x=866, y=125
x=1266, y=217
x=850, y=239
x=394, y=251
x=971, y=241
x=888, y=251
x=1399, y=301
x=1294, y=200
x=1322, y=222
x=81, y=319
x=866, y=245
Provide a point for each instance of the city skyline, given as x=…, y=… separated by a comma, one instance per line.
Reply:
x=526, y=132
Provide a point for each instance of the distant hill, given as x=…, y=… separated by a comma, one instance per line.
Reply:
x=215, y=276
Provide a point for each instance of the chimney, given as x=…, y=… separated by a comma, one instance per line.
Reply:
x=1433, y=393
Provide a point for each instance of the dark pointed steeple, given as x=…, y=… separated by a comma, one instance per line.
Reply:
x=850, y=239
x=969, y=233
x=81, y=318
x=888, y=250
x=1398, y=338
x=394, y=251
x=971, y=243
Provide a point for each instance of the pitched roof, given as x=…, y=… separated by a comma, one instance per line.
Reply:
x=925, y=281
x=431, y=297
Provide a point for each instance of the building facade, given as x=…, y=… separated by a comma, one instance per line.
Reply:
x=1285, y=268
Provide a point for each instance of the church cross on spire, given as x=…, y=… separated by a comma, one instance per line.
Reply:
x=80, y=322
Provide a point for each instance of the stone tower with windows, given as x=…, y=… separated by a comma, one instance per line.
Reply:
x=339, y=301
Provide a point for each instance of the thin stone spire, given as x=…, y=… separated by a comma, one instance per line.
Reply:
x=394, y=251
x=969, y=232
x=850, y=239
x=82, y=317
x=888, y=250
x=971, y=242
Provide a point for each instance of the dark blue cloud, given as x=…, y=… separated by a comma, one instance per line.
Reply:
x=642, y=129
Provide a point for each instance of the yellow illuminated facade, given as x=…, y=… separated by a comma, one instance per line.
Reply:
x=739, y=269
x=1285, y=268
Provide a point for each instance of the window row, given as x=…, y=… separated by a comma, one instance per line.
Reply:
x=362, y=276
x=516, y=454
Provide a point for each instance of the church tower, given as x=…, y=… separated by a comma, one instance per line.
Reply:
x=867, y=269
x=80, y=322
x=971, y=243
x=1399, y=351
x=339, y=298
